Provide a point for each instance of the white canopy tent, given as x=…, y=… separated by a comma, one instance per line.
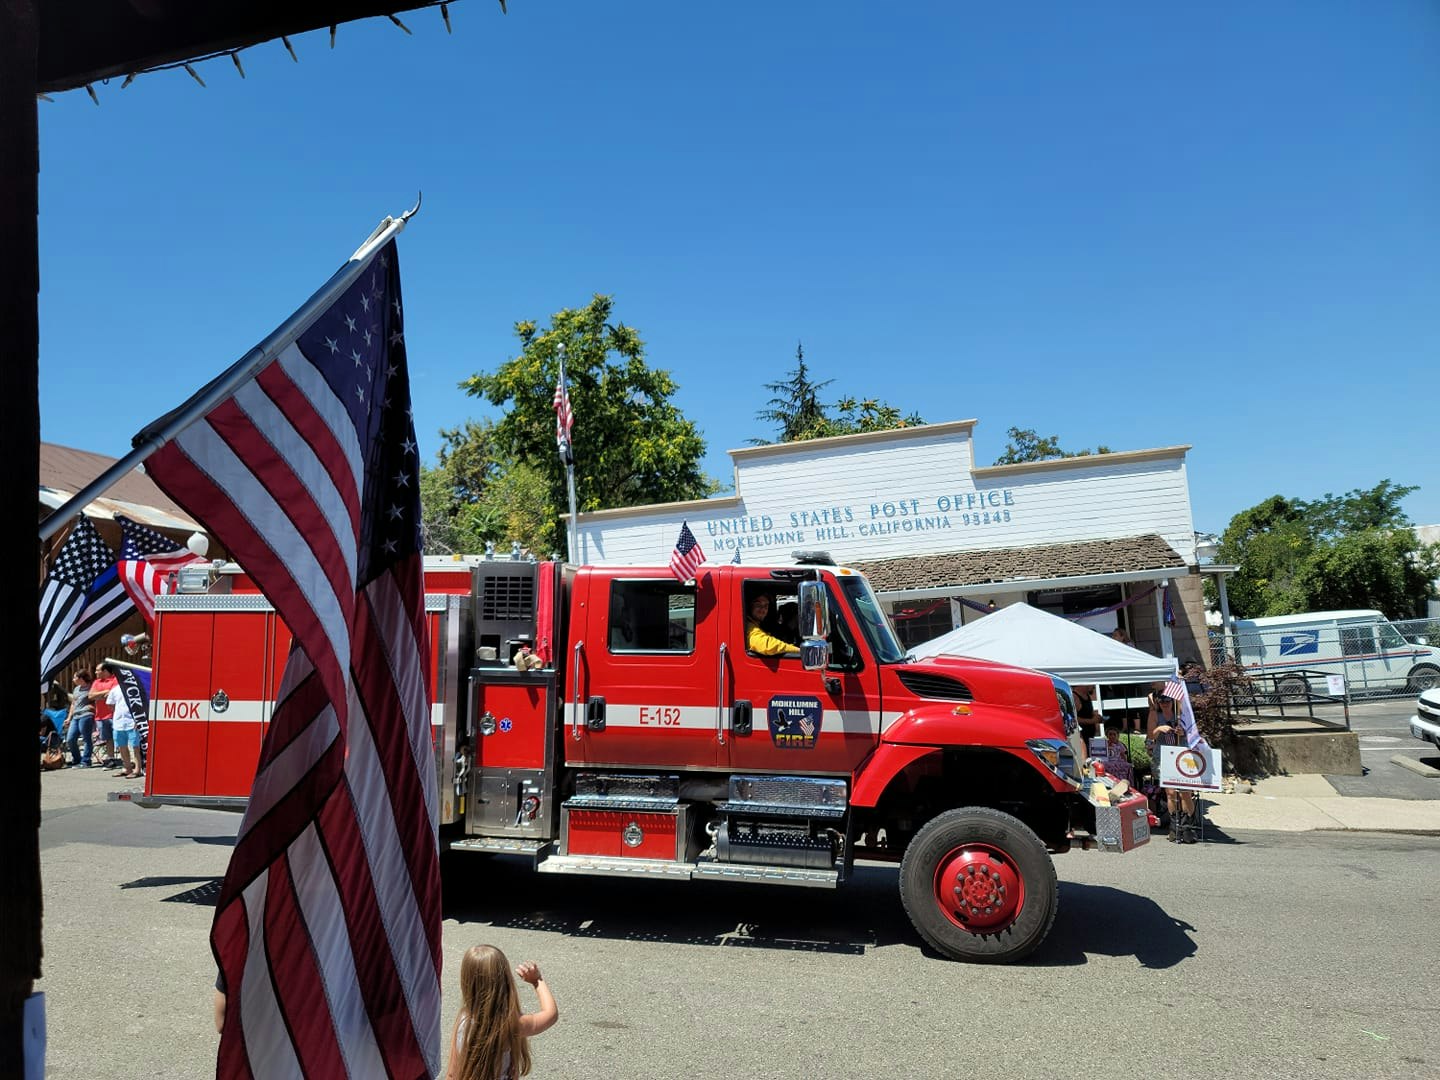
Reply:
x=1028, y=637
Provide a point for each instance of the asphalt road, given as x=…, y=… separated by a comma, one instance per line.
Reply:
x=1261, y=954
x=1384, y=731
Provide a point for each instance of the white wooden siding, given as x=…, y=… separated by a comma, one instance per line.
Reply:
x=865, y=485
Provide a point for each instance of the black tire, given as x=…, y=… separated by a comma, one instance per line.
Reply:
x=1292, y=688
x=1423, y=677
x=978, y=828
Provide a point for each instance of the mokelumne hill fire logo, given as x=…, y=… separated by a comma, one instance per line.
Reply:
x=795, y=722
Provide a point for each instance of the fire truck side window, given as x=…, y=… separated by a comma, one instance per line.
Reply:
x=652, y=616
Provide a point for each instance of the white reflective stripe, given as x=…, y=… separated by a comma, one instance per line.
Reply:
x=267, y=1039
x=198, y=710
x=319, y=902
x=245, y=712
x=661, y=718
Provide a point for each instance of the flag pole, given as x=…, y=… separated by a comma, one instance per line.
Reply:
x=240, y=373
x=571, y=539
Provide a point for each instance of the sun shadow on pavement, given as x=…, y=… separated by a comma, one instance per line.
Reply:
x=1112, y=922
x=505, y=893
x=205, y=893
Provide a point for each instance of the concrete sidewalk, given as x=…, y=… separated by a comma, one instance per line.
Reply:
x=1305, y=803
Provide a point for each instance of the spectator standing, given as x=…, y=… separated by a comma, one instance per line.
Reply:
x=80, y=724
x=491, y=1040
x=123, y=726
x=1085, y=714
x=104, y=713
x=1164, y=730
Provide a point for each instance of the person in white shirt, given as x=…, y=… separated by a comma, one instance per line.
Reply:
x=127, y=739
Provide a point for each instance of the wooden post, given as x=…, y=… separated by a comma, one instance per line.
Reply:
x=20, y=895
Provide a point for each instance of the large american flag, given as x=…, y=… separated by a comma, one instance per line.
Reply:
x=688, y=554
x=83, y=557
x=148, y=562
x=327, y=931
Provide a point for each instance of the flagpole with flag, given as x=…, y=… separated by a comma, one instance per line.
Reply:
x=564, y=421
x=327, y=928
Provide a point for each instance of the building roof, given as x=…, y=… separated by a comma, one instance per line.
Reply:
x=65, y=471
x=1133, y=555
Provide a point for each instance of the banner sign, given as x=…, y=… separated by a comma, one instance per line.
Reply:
x=1185, y=769
x=134, y=683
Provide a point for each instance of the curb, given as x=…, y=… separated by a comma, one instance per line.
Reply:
x=1415, y=765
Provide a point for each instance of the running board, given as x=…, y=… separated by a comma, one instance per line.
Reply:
x=684, y=871
x=599, y=864
x=233, y=804
x=767, y=875
x=501, y=845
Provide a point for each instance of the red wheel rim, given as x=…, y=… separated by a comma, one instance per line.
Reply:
x=979, y=888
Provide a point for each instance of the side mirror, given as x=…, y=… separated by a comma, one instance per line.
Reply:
x=814, y=626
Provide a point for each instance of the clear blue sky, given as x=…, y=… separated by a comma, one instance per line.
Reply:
x=1126, y=223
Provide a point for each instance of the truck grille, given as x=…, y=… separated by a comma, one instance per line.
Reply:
x=507, y=597
x=928, y=685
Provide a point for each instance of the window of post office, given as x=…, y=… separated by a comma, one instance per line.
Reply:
x=652, y=616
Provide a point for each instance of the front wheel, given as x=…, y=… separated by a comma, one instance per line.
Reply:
x=979, y=885
x=1423, y=677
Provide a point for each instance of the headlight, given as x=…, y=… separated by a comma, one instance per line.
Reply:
x=1058, y=756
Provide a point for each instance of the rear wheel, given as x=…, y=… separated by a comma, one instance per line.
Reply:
x=979, y=885
x=1292, y=688
x=1424, y=677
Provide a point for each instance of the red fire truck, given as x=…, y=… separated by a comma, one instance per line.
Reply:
x=612, y=720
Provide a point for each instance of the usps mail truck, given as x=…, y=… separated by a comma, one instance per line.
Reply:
x=1298, y=651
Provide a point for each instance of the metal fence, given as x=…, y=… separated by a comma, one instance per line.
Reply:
x=1302, y=662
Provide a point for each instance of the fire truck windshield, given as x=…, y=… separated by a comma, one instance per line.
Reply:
x=873, y=623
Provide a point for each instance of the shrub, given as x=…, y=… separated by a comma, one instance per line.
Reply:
x=1222, y=688
x=1134, y=743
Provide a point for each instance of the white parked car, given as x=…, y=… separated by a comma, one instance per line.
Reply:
x=1425, y=724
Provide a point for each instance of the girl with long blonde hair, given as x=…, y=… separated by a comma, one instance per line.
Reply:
x=491, y=1039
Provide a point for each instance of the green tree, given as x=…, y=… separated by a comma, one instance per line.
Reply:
x=474, y=494
x=1269, y=542
x=1026, y=445
x=797, y=409
x=632, y=445
x=1384, y=569
x=1348, y=551
x=796, y=406
x=1357, y=510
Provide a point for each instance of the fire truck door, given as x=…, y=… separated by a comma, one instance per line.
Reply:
x=210, y=703
x=648, y=671
x=798, y=721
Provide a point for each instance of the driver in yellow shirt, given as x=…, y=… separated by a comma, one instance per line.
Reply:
x=756, y=638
